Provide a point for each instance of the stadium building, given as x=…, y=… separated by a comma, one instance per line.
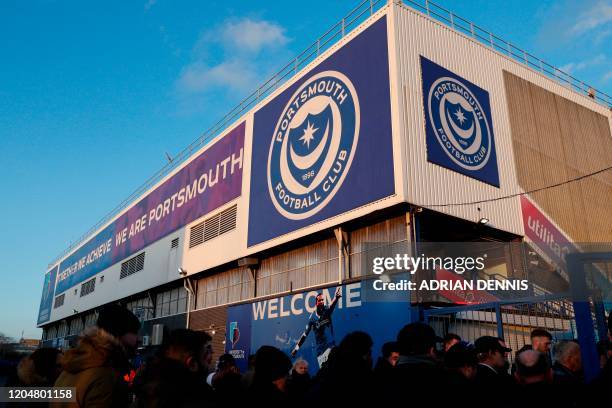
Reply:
x=403, y=124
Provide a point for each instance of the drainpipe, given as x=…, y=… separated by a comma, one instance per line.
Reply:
x=188, y=285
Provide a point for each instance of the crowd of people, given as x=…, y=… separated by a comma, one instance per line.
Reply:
x=410, y=371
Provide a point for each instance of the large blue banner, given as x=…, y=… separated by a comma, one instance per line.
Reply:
x=307, y=325
x=323, y=146
x=46, y=301
x=458, y=124
x=206, y=183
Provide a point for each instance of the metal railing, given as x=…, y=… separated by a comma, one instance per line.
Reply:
x=511, y=320
x=358, y=15
x=502, y=46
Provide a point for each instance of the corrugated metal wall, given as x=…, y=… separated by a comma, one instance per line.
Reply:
x=212, y=321
x=312, y=265
x=556, y=140
x=226, y=287
x=542, y=138
x=392, y=235
x=431, y=185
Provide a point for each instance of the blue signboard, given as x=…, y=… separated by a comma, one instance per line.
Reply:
x=238, y=334
x=46, y=301
x=307, y=325
x=458, y=124
x=323, y=146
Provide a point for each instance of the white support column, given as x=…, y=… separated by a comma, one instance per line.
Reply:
x=343, y=254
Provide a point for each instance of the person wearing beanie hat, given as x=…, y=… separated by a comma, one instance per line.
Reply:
x=121, y=323
x=97, y=365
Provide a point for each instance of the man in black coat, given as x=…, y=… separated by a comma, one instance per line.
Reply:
x=417, y=369
x=534, y=382
x=460, y=370
x=567, y=372
x=385, y=365
x=492, y=371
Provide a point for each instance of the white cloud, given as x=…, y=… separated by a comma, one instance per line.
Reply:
x=149, y=4
x=573, y=67
x=245, y=51
x=598, y=15
x=601, y=35
x=231, y=75
x=607, y=76
x=253, y=35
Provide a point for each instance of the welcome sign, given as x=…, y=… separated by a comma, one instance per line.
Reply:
x=307, y=324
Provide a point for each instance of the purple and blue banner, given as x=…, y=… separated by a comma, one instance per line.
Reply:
x=458, y=124
x=324, y=146
x=206, y=183
x=308, y=324
x=46, y=301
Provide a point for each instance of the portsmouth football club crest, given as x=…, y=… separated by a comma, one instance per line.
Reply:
x=313, y=145
x=322, y=145
x=458, y=122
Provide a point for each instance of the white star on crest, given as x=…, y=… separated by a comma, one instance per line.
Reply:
x=308, y=134
x=460, y=116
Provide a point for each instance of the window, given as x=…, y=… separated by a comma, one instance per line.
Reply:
x=62, y=330
x=142, y=308
x=52, y=333
x=90, y=320
x=174, y=243
x=88, y=287
x=173, y=299
x=59, y=301
x=76, y=326
x=132, y=266
x=171, y=302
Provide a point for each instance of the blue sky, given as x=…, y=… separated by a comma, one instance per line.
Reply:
x=92, y=95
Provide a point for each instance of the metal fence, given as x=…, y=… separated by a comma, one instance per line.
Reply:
x=511, y=320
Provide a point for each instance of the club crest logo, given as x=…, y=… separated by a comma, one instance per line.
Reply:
x=234, y=334
x=313, y=145
x=459, y=123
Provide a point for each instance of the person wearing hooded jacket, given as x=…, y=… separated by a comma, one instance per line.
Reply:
x=97, y=365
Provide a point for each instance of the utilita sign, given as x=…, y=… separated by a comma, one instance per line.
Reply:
x=548, y=238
